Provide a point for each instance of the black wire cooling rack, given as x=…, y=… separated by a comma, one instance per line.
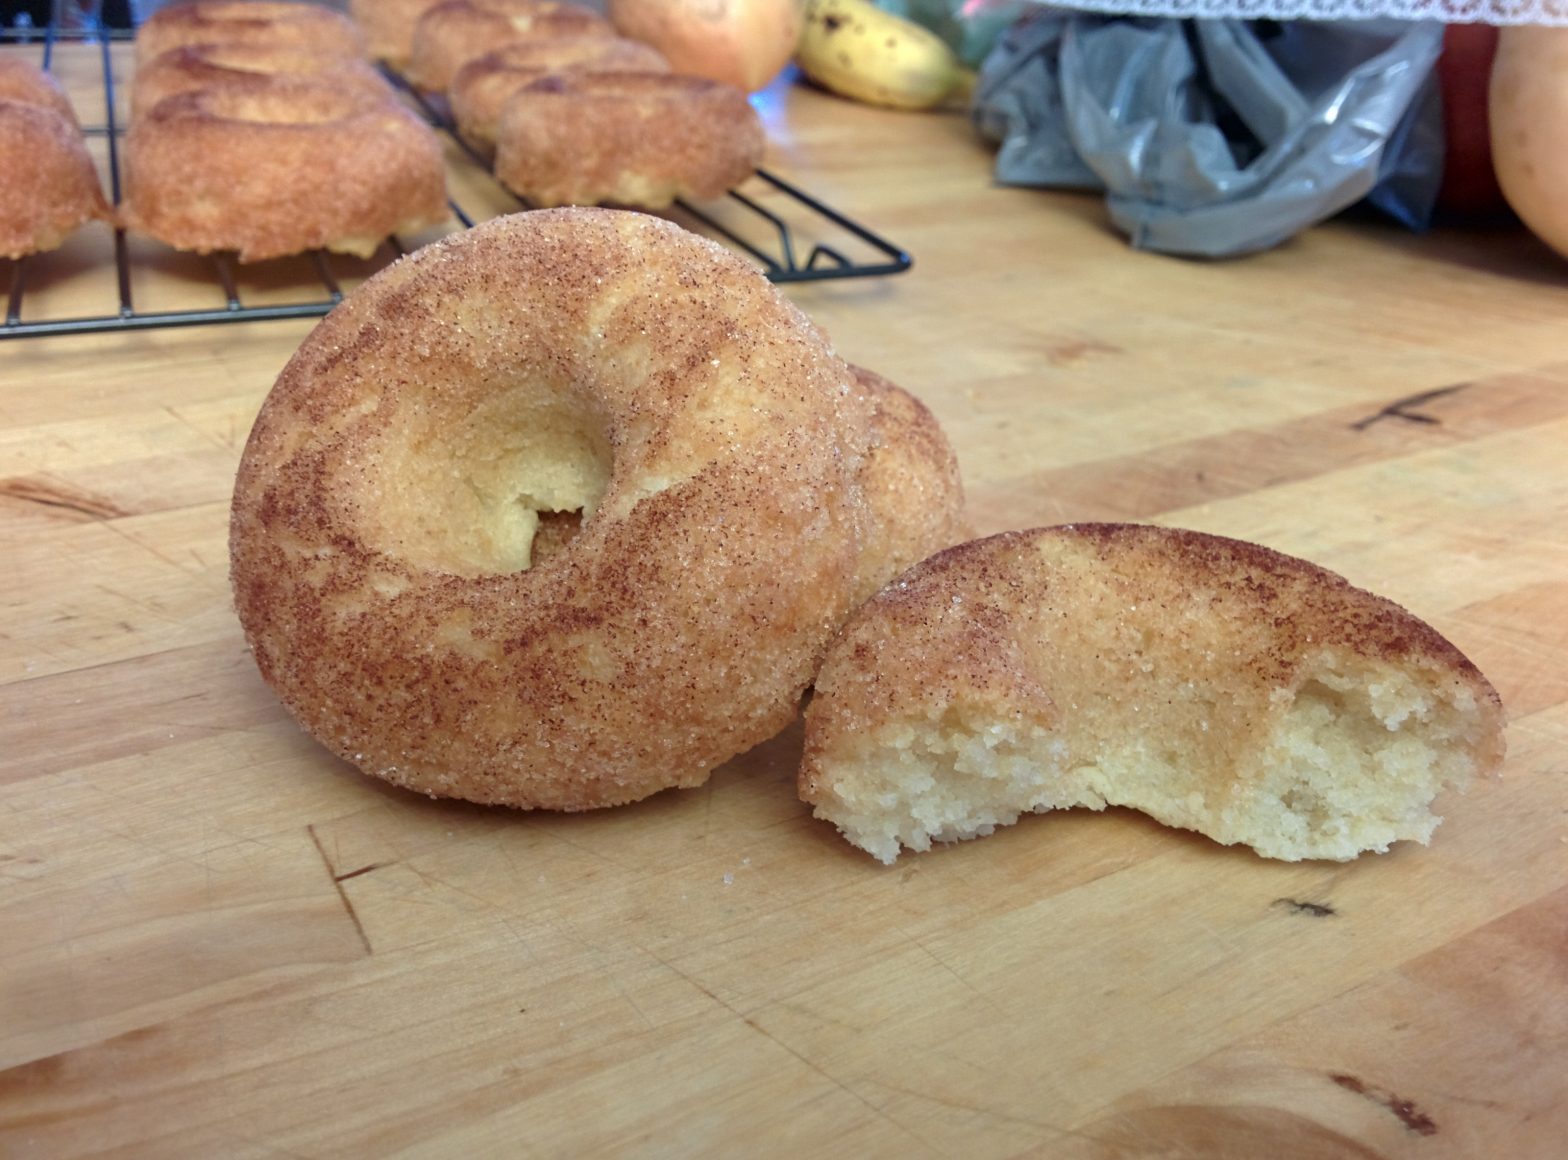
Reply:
x=784, y=240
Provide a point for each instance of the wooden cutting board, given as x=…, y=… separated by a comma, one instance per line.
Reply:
x=217, y=940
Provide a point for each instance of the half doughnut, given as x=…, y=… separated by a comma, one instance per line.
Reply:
x=278, y=169
x=1215, y=685
x=640, y=139
x=690, y=435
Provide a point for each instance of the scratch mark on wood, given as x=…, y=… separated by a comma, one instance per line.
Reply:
x=356, y=873
x=1401, y=408
x=1412, y=1117
x=1315, y=909
x=55, y=494
x=337, y=884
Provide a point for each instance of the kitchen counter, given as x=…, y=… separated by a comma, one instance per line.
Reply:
x=218, y=940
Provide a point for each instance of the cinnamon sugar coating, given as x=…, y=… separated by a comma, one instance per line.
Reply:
x=912, y=484
x=626, y=138
x=455, y=32
x=554, y=513
x=389, y=25
x=274, y=23
x=48, y=184
x=247, y=68
x=1216, y=685
x=279, y=167
x=482, y=87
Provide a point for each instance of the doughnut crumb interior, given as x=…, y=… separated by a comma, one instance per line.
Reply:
x=1215, y=685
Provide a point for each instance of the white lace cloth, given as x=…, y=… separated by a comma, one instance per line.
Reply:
x=1448, y=11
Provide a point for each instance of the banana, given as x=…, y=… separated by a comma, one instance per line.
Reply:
x=857, y=50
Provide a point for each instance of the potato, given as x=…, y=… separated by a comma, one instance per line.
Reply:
x=1529, y=118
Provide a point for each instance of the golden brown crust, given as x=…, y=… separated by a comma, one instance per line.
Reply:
x=1185, y=649
x=912, y=484
x=276, y=23
x=629, y=139
x=389, y=25
x=482, y=87
x=455, y=32
x=50, y=186
x=681, y=622
x=24, y=82
x=247, y=68
x=279, y=168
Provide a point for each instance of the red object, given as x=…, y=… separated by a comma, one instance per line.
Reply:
x=1464, y=72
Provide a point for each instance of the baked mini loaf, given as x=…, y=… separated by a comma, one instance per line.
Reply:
x=280, y=167
x=389, y=25
x=270, y=23
x=635, y=139
x=249, y=68
x=455, y=32
x=1215, y=685
x=48, y=183
x=482, y=87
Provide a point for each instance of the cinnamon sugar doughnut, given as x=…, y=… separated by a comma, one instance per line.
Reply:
x=455, y=32
x=286, y=167
x=385, y=557
x=388, y=26
x=49, y=186
x=912, y=484
x=1213, y=684
x=276, y=23
x=628, y=138
x=481, y=88
x=249, y=67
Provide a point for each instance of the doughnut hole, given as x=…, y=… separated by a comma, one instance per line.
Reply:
x=474, y=496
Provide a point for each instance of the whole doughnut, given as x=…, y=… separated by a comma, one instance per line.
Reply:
x=278, y=23
x=455, y=32
x=696, y=438
x=640, y=139
x=289, y=166
x=482, y=87
x=247, y=67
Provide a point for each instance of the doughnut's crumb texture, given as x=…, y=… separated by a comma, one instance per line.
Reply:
x=1215, y=685
x=556, y=512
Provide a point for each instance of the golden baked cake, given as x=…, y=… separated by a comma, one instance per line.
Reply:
x=1213, y=684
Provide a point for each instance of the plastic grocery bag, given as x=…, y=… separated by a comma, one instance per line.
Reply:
x=1218, y=137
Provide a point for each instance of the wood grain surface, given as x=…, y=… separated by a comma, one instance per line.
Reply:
x=217, y=940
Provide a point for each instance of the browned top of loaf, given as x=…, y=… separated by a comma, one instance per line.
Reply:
x=273, y=22
x=26, y=83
